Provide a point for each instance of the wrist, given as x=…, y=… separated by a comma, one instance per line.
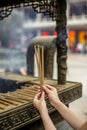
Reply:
x=42, y=112
x=57, y=104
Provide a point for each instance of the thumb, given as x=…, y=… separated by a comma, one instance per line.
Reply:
x=46, y=89
x=37, y=96
x=42, y=95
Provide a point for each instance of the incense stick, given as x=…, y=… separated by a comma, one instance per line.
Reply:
x=37, y=60
x=42, y=65
x=39, y=53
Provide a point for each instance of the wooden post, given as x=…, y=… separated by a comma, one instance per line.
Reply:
x=61, y=40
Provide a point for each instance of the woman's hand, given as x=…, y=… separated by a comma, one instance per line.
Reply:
x=39, y=102
x=51, y=92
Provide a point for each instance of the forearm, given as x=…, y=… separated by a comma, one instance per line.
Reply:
x=47, y=122
x=69, y=116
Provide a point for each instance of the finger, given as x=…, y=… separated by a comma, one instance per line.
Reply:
x=38, y=87
x=45, y=89
x=38, y=95
x=49, y=87
x=39, y=90
x=42, y=95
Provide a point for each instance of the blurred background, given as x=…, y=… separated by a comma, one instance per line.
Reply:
x=18, y=29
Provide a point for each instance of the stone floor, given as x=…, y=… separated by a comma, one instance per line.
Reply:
x=77, y=71
x=64, y=126
x=77, y=64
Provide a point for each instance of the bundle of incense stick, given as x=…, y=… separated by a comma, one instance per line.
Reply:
x=39, y=53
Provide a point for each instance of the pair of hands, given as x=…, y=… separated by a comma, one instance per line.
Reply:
x=39, y=100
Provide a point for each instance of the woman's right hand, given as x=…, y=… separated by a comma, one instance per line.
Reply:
x=51, y=92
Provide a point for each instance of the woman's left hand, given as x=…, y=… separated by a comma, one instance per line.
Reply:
x=40, y=103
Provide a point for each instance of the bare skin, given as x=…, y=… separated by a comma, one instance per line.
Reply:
x=40, y=104
x=67, y=114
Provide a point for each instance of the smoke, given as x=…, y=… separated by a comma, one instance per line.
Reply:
x=12, y=59
x=11, y=54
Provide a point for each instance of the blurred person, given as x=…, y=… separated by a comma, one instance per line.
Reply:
x=22, y=71
x=67, y=114
x=80, y=48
